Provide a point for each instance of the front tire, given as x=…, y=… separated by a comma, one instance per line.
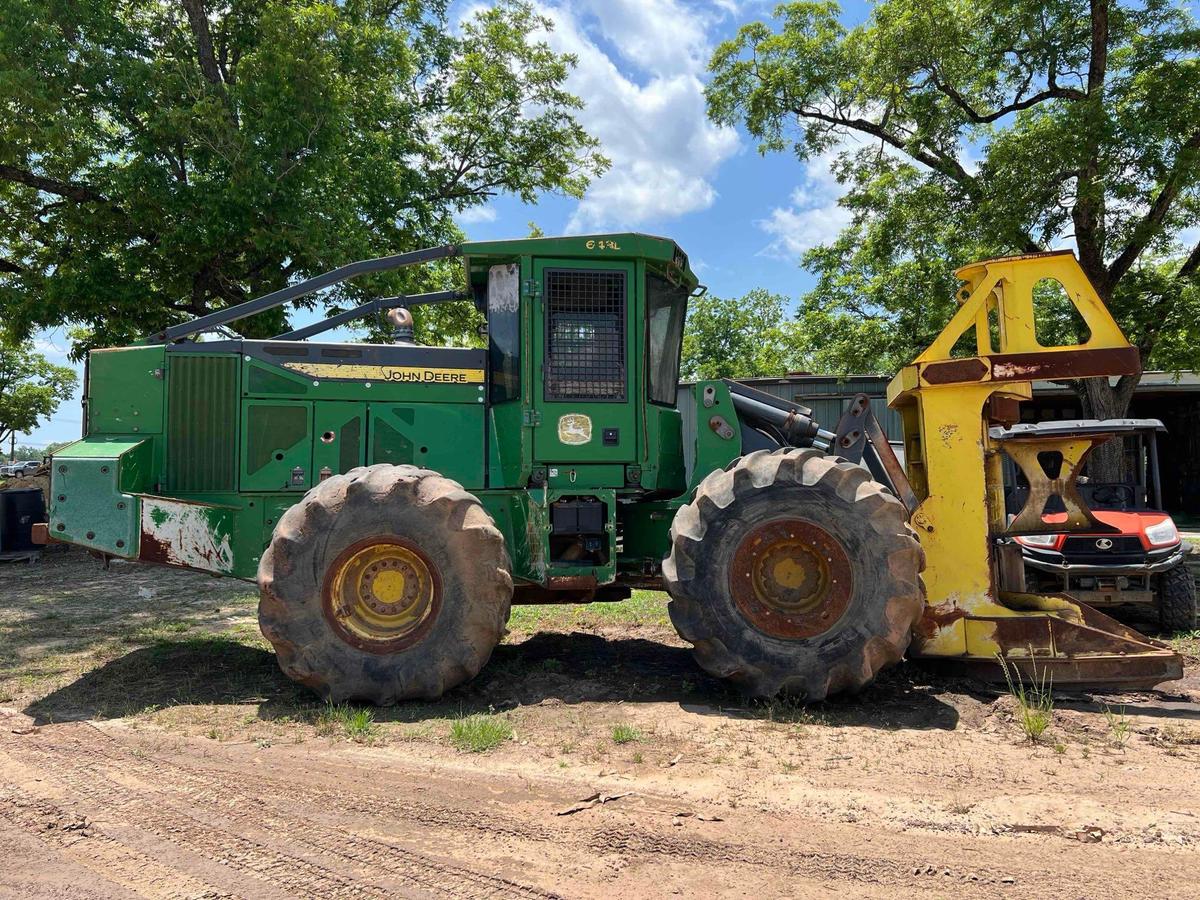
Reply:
x=793, y=572
x=1177, y=599
x=384, y=584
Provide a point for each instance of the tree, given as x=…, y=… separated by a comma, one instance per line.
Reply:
x=739, y=338
x=162, y=159
x=31, y=387
x=972, y=129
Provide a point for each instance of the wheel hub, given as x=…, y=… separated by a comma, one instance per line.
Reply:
x=791, y=578
x=382, y=594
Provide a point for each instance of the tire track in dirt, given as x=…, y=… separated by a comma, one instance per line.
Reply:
x=209, y=786
x=299, y=877
x=911, y=871
x=324, y=817
x=368, y=856
x=89, y=846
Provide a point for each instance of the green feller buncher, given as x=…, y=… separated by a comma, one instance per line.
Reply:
x=392, y=500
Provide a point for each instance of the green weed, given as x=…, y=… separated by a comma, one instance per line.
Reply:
x=356, y=723
x=624, y=733
x=479, y=733
x=1035, y=705
x=1118, y=726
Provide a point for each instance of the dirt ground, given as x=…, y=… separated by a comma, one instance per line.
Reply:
x=149, y=747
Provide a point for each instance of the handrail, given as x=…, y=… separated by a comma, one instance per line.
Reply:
x=316, y=283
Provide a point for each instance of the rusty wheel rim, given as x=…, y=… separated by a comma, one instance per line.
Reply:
x=381, y=594
x=791, y=579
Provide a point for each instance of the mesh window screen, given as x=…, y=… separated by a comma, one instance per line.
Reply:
x=585, y=335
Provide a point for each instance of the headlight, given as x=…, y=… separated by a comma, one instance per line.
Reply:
x=1039, y=540
x=1163, y=532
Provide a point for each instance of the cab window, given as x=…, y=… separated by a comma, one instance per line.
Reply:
x=666, y=306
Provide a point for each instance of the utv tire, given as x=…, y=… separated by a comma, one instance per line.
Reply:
x=793, y=572
x=1177, y=599
x=384, y=584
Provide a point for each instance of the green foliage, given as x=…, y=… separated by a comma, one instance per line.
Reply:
x=624, y=733
x=26, y=452
x=478, y=733
x=159, y=160
x=972, y=129
x=31, y=387
x=739, y=338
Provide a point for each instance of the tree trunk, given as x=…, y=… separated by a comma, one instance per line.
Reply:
x=1102, y=400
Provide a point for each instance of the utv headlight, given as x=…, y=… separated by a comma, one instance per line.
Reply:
x=1163, y=532
x=1038, y=540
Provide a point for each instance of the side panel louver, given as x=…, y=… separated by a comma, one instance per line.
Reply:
x=202, y=423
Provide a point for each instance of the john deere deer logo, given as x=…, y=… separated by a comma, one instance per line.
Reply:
x=574, y=428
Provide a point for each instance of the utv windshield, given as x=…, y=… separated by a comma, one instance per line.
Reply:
x=666, y=304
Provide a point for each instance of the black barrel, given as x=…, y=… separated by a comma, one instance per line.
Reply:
x=20, y=508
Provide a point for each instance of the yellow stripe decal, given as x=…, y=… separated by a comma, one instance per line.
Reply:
x=399, y=374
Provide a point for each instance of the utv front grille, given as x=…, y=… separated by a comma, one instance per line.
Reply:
x=585, y=335
x=1101, y=550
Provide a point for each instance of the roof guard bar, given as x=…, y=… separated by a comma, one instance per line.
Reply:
x=379, y=304
x=277, y=298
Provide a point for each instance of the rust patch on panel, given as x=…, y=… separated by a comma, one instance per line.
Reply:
x=1066, y=364
x=958, y=371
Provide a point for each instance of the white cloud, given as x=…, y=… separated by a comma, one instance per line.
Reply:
x=649, y=116
x=813, y=215
x=476, y=214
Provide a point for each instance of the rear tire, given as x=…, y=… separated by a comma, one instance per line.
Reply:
x=1177, y=599
x=793, y=572
x=383, y=584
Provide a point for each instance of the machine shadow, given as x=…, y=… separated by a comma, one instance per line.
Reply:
x=551, y=666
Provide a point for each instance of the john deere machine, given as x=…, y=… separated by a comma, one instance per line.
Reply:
x=393, y=500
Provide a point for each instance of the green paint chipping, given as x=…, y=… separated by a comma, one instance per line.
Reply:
x=160, y=515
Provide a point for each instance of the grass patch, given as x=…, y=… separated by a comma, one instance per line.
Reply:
x=479, y=732
x=644, y=608
x=624, y=733
x=1035, y=706
x=355, y=723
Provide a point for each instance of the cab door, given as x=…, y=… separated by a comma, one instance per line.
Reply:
x=584, y=384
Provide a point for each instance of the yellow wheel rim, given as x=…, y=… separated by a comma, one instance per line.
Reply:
x=790, y=576
x=382, y=594
x=791, y=579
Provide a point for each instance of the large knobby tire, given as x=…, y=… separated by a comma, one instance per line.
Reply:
x=383, y=584
x=793, y=572
x=1177, y=599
